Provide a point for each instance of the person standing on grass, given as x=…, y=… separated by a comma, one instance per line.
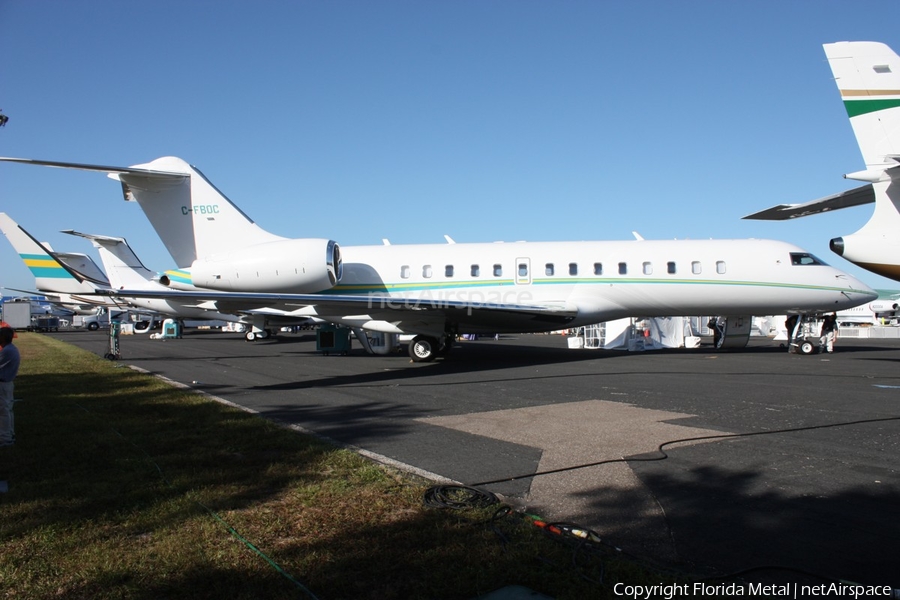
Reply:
x=9, y=368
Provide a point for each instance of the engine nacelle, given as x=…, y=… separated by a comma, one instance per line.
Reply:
x=875, y=251
x=291, y=266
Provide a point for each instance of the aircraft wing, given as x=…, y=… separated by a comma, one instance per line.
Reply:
x=69, y=301
x=783, y=212
x=376, y=306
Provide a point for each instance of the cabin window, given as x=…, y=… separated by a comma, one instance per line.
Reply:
x=804, y=258
x=498, y=270
x=476, y=271
x=695, y=267
x=448, y=271
x=404, y=271
x=720, y=267
x=426, y=271
x=670, y=267
x=623, y=268
x=598, y=268
x=573, y=268
x=548, y=269
x=647, y=268
x=523, y=269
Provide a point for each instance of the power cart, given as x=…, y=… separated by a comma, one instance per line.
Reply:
x=114, y=329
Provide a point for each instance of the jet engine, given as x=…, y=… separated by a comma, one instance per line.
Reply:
x=291, y=266
x=871, y=250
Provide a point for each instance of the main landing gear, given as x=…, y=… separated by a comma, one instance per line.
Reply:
x=425, y=348
x=252, y=336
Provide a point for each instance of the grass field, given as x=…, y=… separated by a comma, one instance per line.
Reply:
x=122, y=486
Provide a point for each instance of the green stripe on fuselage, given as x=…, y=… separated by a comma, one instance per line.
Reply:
x=387, y=288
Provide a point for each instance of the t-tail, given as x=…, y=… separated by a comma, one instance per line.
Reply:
x=208, y=234
x=867, y=75
x=123, y=267
x=192, y=218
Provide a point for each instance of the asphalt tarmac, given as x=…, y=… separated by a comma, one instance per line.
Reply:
x=801, y=472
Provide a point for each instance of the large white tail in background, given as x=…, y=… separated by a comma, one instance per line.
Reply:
x=867, y=75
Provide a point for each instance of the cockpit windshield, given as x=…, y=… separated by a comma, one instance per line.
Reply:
x=805, y=258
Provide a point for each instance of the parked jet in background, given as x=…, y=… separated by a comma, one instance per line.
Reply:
x=436, y=291
x=60, y=274
x=868, y=77
x=126, y=271
x=66, y=279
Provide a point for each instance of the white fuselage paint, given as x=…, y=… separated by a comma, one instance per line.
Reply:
x=711, y=277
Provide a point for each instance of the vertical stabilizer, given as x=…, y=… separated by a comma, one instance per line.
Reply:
x=124, y=268
x=192, y=217
x=50, y=274
x=867, y=75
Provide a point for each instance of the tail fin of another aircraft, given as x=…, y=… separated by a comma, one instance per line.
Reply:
x=868, y=77
x=124, y=268
x=53, y=272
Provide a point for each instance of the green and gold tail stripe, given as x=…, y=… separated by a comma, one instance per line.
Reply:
x=861, y=102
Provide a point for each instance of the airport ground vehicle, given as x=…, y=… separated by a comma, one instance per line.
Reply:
x=17, y=314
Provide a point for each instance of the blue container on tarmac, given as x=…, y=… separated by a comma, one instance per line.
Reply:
x=331, y=338
x=171, y=329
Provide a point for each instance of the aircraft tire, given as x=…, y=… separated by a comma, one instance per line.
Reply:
x=807, y=348
x=250, y=336
x=423, y=348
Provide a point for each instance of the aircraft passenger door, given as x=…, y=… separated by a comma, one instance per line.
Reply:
x=523, y=271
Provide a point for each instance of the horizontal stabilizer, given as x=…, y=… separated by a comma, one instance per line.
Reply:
x=151, y=173
x=784, y=212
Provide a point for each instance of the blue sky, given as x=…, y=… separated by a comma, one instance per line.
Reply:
x=484, y=120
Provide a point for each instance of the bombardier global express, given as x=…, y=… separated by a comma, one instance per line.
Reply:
x=438, y=291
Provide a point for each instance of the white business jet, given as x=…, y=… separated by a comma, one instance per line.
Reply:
x=868, y=77
x=437, y=291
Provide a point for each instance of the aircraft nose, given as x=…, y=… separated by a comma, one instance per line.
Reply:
x=837, y=246
x=862, y=289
